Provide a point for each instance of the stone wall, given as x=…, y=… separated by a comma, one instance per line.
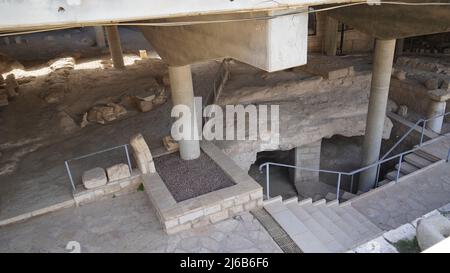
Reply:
x=354, y=41
x=410, y=93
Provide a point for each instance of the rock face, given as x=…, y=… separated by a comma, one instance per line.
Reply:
x=62, y=63
x=142, y=154
x=310, y=108
x=117, y=172
x=11, y=85
x=432, y=230
x=94, y=178
x=107, y=113
x=432, y=84
x=7, y=64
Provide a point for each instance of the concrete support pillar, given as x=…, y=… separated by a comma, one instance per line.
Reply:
x=331, y=36
x=379, y=90
x=114, y=46
x=307, y=156
x=183, y=93
x=100, y=36
x=436, y=108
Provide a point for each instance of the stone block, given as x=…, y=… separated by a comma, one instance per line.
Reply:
x=404, y=232
x=145, y=106
x=439, y=94
x=118, y=171
x=218, y=216
x=241, y=199
x=179, y=228
x=212, y=209
x=236, y=209
x=191, y=216
x=170, y=223
x=256, y=194
x=142, y=154
x=250, y=205
x=201, y=222
x=94, y=178
x=170, y=144
x=227, y=203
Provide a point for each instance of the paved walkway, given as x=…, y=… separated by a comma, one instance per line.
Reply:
x=412, y=196
x=129, y=224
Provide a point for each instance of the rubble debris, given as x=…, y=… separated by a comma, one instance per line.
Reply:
x=402, y=110
x=170, y=144
x=94, y=178
x=11, y=86
x=142, y=154
x=391, y=106
x=105, y=113
x=145, y=105
x=7, y=64
x=62, y=63
x=399, y=74
x=106, y=64
x=161, y=97
x=118, y=171
x=143, y=54
x=432, y=83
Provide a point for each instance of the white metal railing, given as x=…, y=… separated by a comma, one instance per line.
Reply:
x=351, y=174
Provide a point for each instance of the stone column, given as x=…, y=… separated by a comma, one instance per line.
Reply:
x=100, y=36
x=307, y=156
x=114, y=46
x=379, y=90
x=183, y=94
x=331, y=36
x=438, y=103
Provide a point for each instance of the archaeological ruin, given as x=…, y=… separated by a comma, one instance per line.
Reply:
x=228, y=126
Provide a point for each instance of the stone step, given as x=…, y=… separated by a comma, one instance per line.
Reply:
x=347, y=196
x=406, y=168
x=298, y=232
x=392, y=175
x=373, y=230
x=315, y=227
x=347, y=215
x=339, y=235
x=345, y=226
x=418, y=161
x=383, y=182
x=427, y=156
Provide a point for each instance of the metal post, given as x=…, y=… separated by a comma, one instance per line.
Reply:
x=338, y=186
x=448, y=155
x=399, y=167
x=421, y=134
x=70, y=174
x=378, y=174
x=267, y=181
x=128, y=158
x=351, y=184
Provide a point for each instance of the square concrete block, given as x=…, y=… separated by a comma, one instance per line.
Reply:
x=94, y=178
x=118, y=171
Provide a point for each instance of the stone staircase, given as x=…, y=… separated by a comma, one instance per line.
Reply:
x=411, y=163
x=322, y=226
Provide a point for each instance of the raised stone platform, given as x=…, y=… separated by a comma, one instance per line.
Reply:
x=208, y=208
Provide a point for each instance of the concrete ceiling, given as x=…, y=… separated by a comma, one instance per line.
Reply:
x=396, y=21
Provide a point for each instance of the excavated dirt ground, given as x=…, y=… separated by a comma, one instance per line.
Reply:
x=36, y=137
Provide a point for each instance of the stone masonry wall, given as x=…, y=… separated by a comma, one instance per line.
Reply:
x=306, y=156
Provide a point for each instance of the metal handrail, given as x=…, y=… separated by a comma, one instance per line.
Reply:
x=352, y=173
x=424, y=122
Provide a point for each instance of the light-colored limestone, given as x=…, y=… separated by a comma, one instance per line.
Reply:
x=118, y=171
x=142, y=154
x=378, y=245
x=170, y=144
x=432, y=230
x=404, y=232
x=94, y=178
